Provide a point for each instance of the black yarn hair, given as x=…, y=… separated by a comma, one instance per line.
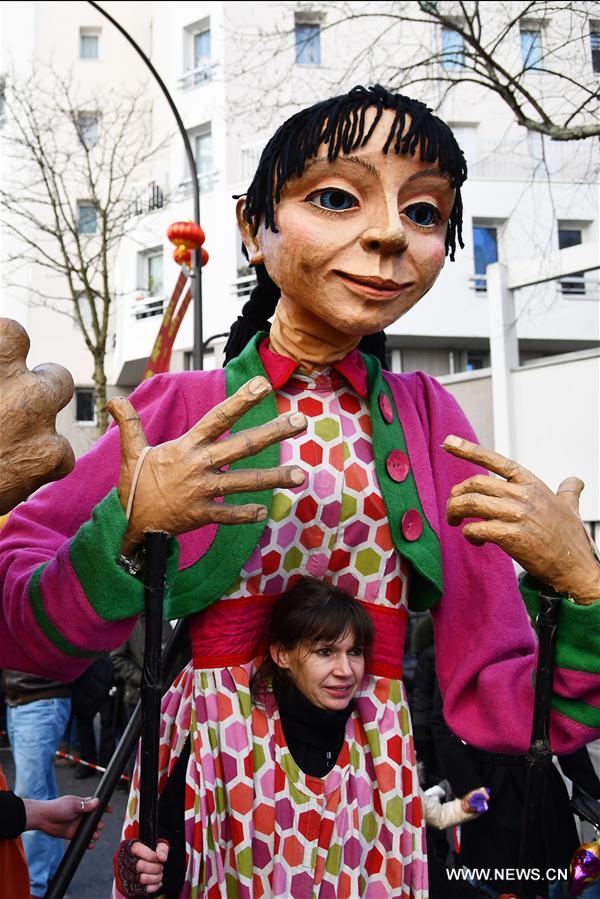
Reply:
x=339, y=123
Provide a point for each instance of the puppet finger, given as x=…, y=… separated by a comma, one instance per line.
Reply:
x=131, y=432
x=508, y=536
x=489, y=459
x=569, y=492
x=474, y=505
x=251, y=479
x=226, y=513
x=221, y=417
x=56, y=380
x=487, y=485
x=248, y=443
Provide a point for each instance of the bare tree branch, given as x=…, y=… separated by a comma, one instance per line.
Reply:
x=54, y=165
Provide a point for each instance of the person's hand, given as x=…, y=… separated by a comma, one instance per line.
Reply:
x=31, y=452
x=540, y=529
x=60, y=817
x=479, y=805
x=151, y=863
x=179, y=480
x=139, y=869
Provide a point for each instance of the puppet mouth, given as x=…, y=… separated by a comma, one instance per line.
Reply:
x=372, y=285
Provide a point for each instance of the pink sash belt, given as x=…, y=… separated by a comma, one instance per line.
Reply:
x=232, y=632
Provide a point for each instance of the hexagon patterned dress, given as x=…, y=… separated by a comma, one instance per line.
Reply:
x=255, y=824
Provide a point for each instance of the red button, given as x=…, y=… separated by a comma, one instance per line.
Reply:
x=412, y=525
x=397, y=465
x=386, y=408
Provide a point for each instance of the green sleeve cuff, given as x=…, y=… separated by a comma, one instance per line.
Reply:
x=112, y=592
x=578, y=629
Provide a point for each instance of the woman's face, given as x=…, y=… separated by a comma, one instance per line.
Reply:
x=328, y=674
x=360, y=240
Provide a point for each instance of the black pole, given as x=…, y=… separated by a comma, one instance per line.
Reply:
x=196, y=275
x=154, y=574
x=539, y=756
x=78, y=845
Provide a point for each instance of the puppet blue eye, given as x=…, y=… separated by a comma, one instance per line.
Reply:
x=422, y=214
x=333, y=199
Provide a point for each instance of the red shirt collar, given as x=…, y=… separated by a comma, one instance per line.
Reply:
x=280, y=369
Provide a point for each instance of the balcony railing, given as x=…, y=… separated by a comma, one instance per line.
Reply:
x=200, y=75
x=146, y=198
x=145, y=305
x=242, y=287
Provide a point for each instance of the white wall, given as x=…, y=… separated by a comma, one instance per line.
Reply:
x=557, y=423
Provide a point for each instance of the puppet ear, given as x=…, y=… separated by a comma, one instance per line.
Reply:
x=251, y=240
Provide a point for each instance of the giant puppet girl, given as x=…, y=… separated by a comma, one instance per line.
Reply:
x=353, y=209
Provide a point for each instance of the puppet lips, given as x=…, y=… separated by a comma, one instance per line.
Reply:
x=374, y=286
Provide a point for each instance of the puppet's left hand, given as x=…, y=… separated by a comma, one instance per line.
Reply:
x=540, y=529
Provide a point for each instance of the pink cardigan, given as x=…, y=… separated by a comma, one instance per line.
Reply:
x=65, y=599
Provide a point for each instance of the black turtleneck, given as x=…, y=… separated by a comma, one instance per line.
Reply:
x=314, y=736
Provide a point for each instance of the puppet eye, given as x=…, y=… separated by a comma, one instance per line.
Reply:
x=333, y=199
x=422, y=214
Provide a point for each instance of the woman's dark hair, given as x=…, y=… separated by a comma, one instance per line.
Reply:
x=340, y=123
x=311, y=612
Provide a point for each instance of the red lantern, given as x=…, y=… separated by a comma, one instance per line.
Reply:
x=186, y=236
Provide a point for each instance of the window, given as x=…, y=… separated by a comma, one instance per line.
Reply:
x=571, y=237
x=308, y=43
x=202, y=146
x=85, y=310
x=89, y=43
x=154, y=274
x=150, y=278
x=531, y=48
x=86, y=218
x=196, y=53
x=475, y=361
x=595, y=47
x=453, y=50
x=485, y=251
x=201, y=45
x=88, y=125
x=85, y=412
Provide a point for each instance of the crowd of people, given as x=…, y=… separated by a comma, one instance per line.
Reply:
x=353, y=497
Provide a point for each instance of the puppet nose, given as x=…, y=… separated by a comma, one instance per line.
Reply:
x=388, y=238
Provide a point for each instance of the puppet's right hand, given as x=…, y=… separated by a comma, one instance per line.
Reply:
x=179, y=480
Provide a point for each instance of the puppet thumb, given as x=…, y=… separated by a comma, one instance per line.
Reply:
x=569, y=492
x=131, y=432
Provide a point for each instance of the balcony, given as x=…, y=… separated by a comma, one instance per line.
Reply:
x=145, y=198
x=241, y=288
x=195, y=77
x=145, y=305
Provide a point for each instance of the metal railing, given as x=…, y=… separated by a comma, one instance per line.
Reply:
x=146, y=305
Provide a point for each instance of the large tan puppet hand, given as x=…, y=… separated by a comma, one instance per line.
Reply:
x=179, y=480
x=540, y=529
x=31, y=452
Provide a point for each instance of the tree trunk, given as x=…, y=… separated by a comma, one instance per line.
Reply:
x=100, y=391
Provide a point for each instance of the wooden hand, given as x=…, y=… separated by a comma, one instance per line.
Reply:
x=540, y=529
x=179, y=480
x=31, y=452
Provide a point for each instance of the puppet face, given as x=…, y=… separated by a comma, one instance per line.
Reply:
x=328, y=674
x=361, y=239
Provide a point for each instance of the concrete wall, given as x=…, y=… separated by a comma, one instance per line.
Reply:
x=557, y=413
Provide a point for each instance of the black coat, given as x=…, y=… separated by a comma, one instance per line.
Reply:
x=493, y=839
